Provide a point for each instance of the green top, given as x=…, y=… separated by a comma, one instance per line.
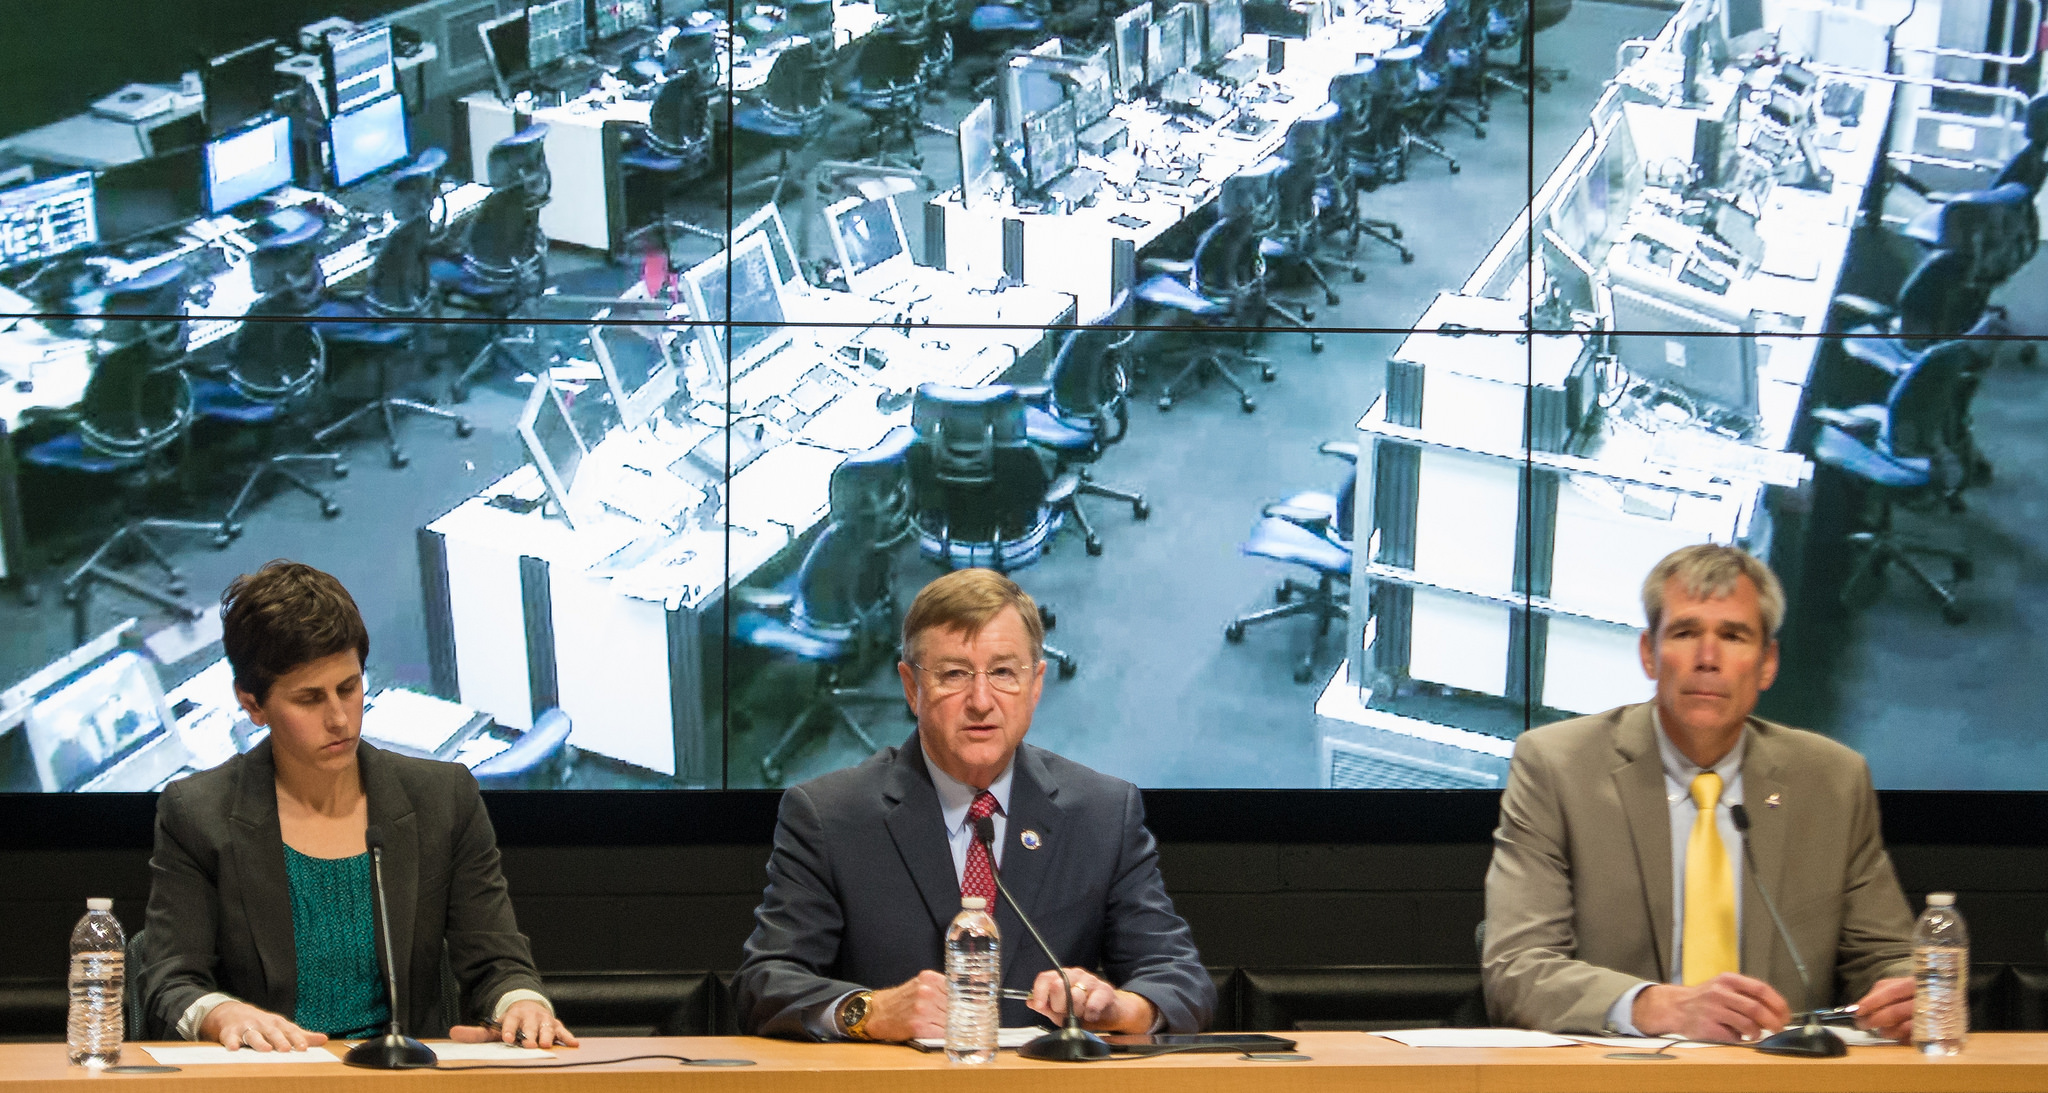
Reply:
x=341, y=988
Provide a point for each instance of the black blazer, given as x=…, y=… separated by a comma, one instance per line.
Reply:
x=220, y=914
x=861, y=888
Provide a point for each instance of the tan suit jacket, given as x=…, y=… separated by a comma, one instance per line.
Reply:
x=1578, y=898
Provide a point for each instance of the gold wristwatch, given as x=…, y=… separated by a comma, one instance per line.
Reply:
x=853, y=1015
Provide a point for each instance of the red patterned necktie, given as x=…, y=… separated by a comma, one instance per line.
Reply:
x=979, y=877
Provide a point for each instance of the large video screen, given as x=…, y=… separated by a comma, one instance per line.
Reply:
x=1335, y=448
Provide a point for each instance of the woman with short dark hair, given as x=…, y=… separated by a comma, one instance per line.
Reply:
x=261, y=931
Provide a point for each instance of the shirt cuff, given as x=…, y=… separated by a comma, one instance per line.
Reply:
x=1620, y=1015
x=506, y=1001
x=197, y=1012
x=823, y=1023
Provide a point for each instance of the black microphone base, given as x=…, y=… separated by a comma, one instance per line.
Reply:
x=391, y=1052
x=1812, y=1040
x=1068, y=1045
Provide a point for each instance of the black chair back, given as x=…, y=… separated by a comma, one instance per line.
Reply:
x=520, y=162
x=679, y=119
x=694, y=51
x=149, y=308
x=1306, y=151
x=401, y=282
x=1928, y=408
x=1088, y=375
x=416, y=187
x=844, y=587
x=505, y=242
x=287, y=265
x=871, y=489
x=798, y=85
x=134, y=404
x=888, y=64
x=973, y=475
x=276, y=356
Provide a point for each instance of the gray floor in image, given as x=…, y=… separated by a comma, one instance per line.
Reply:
x=1161, y=699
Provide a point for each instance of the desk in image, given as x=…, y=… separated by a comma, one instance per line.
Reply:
x=528, y=613
x=45, y=368
x=1457, y=604
x=1072, y=250
x=1338, y=1062
x=582, y=142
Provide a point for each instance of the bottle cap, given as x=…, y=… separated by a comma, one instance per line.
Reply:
x=1941, y=899
x=973, y=903
x=99, y=905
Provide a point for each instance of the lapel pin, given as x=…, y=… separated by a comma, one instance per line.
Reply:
x=1771, y=801
x=1030, y=839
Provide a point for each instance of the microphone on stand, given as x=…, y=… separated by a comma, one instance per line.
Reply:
x=394, y=1050
x=1072, y=1044
x=1813, y=1039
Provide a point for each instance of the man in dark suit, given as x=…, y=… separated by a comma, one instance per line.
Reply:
x=870, y=863
x=1618, y=897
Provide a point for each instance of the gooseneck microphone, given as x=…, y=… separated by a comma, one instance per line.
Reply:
x=1813, y=1039
x=1072, y=1044
x=394, y=1050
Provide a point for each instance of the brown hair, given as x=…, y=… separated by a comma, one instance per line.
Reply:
x=1709, y=571
x=285, y=615
x=967, y=600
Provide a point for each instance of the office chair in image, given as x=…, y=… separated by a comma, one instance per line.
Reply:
x=504, y=265
x=1081, y=410
x=1223, y=285
x=1361, y=159
x=386, y=324
x=1311, y=529
x=275, y=364
x=1304, y=187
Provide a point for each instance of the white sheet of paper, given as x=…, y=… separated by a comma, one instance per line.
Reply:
x=1008, y=1039
x=214, y=1054
x=1475, y=1037
x=495, y=1051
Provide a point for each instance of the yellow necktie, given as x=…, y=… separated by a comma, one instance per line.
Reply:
x=1709, y=947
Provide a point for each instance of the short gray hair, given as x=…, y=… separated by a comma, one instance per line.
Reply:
x=1708, y=571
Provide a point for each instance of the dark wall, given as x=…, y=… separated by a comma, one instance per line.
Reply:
x=61, y=55
x=1251, y=903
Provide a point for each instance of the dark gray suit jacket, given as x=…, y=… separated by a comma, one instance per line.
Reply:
x=861, y=888
x=220, y=916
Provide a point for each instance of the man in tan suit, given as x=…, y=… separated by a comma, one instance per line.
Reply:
x=1618, y=898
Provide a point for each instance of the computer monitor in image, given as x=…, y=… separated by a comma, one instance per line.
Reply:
x=150, y=196
x=240, y=86
x=555, y=448
x=94, y=717
x=360, y=69
x=1051, y=147
x=1569, y=274
x=979, y=174
x=1685, y=349
x=246, y=165
x=1224, y=23
x=505, y=44
x=1127, y=51
x=554, y=30
x=636, y=362
x=367, y=140
x=611, y=18
x=867, y=235
x=767, y=222
x=42, y=220
x=736, y=303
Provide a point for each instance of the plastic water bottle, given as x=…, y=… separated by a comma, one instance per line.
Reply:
x=1941, y=977
x=974, y=976
x=98, y=952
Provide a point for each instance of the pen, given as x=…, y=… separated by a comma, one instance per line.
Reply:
x=1016, y=995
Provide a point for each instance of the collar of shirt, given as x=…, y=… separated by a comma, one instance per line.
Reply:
x=1679, y=771
x=956, y=797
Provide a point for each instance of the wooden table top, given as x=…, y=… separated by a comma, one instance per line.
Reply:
x=1347, y=1061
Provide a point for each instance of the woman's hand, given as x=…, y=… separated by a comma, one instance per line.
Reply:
x=526, y=1023
x=237, y=1025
